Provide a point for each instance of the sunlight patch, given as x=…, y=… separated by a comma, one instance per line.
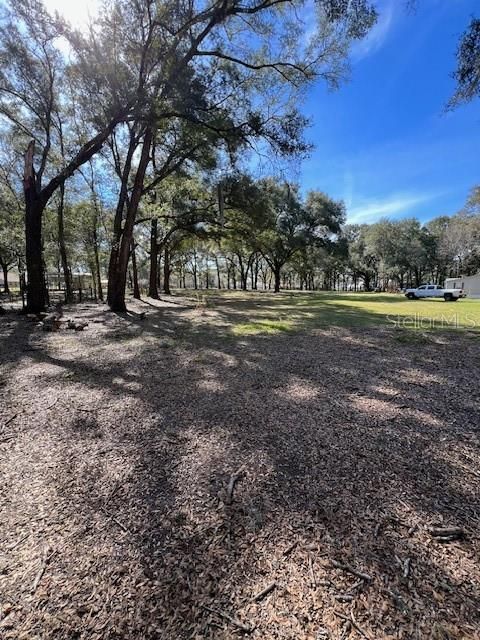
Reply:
x=421, y=377
x=299, y=390
x=211, y=385
x=266, y=327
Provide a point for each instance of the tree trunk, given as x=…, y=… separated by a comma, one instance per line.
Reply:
x=67, y=279
x=114, y=294
x=195, y=282
x=6, y=288
x=276, y=274
x=207, y=286
x=34, y=206
x=418, y=277
x=136, y=288
x=153, y=278
x=93, y=291
x=36, y=289
x=96, y=259
x=219, y=281
x=166, y=271
x=117, y=277
x=243, y=273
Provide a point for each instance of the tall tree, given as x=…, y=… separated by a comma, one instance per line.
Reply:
x=12, y=246
x=152, y=66
x=467, y=73
x=184, y=205
x=207, y=75
x=31, y=82
x=363, y=260
x=293, y=225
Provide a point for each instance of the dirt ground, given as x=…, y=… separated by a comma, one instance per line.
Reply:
x=158, y=474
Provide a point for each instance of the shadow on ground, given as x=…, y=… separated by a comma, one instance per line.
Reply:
x=348, y=445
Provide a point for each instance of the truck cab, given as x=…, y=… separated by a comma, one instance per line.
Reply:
x=434, y=291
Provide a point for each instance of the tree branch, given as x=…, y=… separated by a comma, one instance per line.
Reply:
x=276, y=66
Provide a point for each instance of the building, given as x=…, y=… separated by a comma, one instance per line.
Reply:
x=12, y=278
x=470, y=284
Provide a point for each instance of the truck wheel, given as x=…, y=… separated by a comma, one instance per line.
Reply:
x=449, y=297
x=411, y=296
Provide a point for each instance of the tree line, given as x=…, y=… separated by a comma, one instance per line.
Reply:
x=304, y=243
x=244, y=234
x=124, y=147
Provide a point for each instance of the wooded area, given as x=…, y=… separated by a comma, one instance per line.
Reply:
x=268, y=238
x=151, y=93
x=125, y=149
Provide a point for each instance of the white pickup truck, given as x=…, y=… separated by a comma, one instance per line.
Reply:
x=435, y=291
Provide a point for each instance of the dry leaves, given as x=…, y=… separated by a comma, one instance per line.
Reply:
x=292, y=497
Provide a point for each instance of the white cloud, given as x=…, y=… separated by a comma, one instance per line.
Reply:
x=377, y=36
x=78, y=12
x=371, y=210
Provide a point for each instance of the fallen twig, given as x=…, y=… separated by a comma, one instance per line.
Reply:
x=290, y=548
x=112, y=494
x=236, y=623
x=120, y=524
x=109, y=515
x=399, y=602
x=231, y=484
x=406, y=567
x=346, y=630
x=9, y=420
x=355, y=586
x=312, y=572
x=352, y=570
x=19, y=541
x=84, y=409
x=46, y=559
x=261, y=594
x=343, y=598
x=358, y=627
x=445, y=534
x=353, y=622
x=326, y=583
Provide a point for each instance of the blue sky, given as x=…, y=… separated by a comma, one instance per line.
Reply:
x=384, y=142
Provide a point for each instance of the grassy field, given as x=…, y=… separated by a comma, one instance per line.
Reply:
x=247, y=313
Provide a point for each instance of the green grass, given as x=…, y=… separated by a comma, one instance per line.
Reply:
x=405, y=336
x=396, y=310
x=257, y=313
